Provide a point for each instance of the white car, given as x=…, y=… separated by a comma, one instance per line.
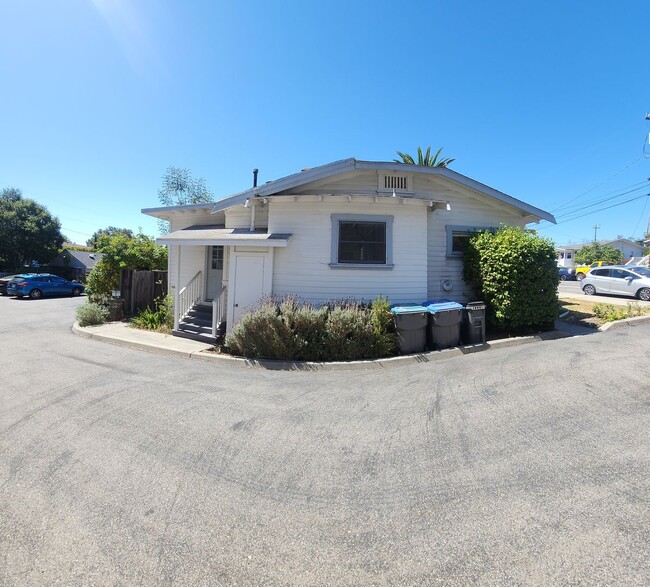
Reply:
x=618, y=280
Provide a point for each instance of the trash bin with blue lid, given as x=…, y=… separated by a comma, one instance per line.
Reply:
x=411, y=327
x=445, y=317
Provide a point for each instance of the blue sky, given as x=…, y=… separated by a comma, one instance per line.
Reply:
x=542, y=100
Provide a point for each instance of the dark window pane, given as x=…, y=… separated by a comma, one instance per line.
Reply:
x=459, y=242
x=362, y=242
x=217, y=258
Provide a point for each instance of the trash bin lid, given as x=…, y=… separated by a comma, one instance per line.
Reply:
x=440, y=305
x=408, y=309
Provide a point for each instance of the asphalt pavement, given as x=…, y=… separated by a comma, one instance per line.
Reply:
x=526, y=465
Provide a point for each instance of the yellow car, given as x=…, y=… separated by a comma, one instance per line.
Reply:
x=581, y=272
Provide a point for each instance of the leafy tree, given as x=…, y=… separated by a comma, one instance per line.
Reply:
x=94, y=240
x=425, y=159
x=122, y=251
x=28, y=232
x=598, y=252
x=11, y=194
x=515, y=273
x=180, y=188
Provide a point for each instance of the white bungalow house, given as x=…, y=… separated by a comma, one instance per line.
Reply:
x=348, y=229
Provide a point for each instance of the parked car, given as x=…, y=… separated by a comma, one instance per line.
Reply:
x=620, y=280
x=45, y=284
x=6, y=279
x=566, y=274
x=582, y=270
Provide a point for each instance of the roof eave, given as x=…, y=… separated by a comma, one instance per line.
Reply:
x=286, y=183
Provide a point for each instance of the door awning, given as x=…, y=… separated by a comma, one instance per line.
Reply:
x=218, y=235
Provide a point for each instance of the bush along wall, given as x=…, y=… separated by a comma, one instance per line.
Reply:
x=515, y=272
x=288, y=330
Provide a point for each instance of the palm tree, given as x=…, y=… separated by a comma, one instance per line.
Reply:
x=425, y=160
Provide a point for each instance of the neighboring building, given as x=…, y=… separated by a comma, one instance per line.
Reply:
x=628, y=247
x=348, y=229
x=566, y=253
x=73, y=264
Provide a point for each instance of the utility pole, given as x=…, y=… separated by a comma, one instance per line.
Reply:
x=596, y=227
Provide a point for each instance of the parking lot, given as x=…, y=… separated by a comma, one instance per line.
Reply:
x=527, y=465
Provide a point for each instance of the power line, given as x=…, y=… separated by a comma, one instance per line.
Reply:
x=598, y=185
x=641, y=216
x=602, y=200
x=550, y=225
x=607, y=207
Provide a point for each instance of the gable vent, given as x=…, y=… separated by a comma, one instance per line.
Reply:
x=395, y=182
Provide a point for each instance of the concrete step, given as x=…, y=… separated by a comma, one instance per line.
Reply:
x=200, y=337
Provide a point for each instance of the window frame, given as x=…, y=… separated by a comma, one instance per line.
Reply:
x=336, y=220
x=451, y=229
x=218, y=258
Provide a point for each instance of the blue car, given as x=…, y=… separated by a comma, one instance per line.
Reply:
x=44, y=284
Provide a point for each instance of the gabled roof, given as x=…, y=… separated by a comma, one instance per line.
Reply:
x=345, y=165
x=86, y=259
x=621, y=240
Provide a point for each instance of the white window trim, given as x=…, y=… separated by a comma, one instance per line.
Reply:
x=457, y=228
x=337, y=218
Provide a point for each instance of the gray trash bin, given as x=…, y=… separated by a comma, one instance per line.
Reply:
x=474, y=323
x=445, y=317
x=411, y=327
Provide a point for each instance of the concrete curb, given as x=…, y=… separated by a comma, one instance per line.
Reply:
x=202, y=353
x=86, y=332
x=626, y=322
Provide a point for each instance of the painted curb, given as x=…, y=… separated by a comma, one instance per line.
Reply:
x=399, y=361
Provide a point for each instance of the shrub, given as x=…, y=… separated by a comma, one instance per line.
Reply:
x=609, y=313
x=515, y=272
x=289, y=330
x=91, y=314
x=161, y=318
x=122, y=251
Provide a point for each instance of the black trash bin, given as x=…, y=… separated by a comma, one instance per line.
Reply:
x=474, y=323
x=411, y=327
x=445, y=317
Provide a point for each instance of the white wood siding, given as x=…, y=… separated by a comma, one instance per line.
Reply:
x=192, y=261
x=240, y=217
x=302, y=269
x=465, y=211
x=192, y=257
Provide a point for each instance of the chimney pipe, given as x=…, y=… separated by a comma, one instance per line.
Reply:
x=255, y=178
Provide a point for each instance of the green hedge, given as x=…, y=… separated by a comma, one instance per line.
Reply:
x=292, y=331
x=515, y=272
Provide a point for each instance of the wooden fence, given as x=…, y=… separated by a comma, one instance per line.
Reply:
x=140, y=289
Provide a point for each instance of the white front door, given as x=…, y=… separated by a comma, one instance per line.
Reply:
x=214, y=272
x=251, y=281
